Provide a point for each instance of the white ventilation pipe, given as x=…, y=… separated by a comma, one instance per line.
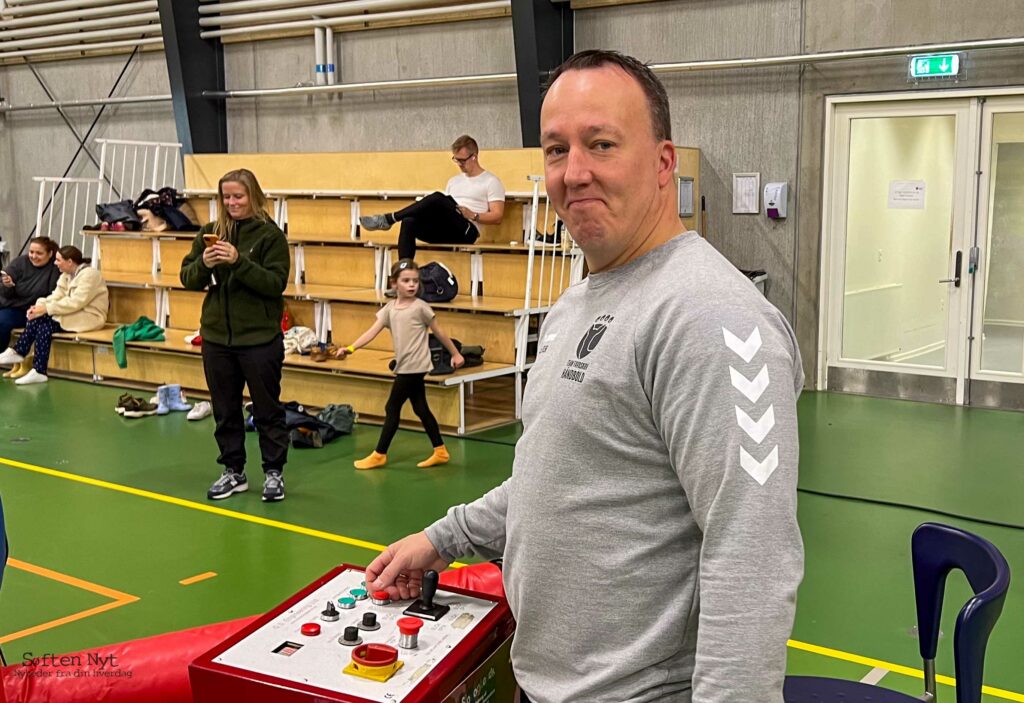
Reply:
x=331, y=54
x=59, y=39
x=45, y=7
x=321, y=56
x=359, y=19
x=125, y=100
x=362, y=87
x=210, y=8
x=79, y=48
x=75, y=14
x=49, y=29
x=351, y=7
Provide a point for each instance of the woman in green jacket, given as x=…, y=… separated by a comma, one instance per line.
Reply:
x=241, y=260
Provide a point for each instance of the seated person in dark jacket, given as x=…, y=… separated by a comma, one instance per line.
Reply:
x=23, y=281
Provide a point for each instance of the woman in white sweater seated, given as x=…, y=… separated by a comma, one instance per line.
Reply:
x=79, y=304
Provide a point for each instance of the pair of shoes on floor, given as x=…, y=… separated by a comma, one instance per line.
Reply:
x=200, y=410
x=376, y=460
x=132, y=406
x=20, y=369
x=231, y=482
x=325, y=354
x=374, y=223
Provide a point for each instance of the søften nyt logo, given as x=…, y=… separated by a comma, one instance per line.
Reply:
x=593, y=336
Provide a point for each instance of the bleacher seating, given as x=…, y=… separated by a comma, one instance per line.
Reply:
x=338, y=278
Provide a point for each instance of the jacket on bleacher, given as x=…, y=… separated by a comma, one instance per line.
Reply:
x=244, y=303
x=80, y=302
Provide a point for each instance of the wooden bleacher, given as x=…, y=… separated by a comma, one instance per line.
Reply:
x=337, y=281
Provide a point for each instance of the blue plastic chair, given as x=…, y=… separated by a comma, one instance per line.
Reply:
x=937, y=550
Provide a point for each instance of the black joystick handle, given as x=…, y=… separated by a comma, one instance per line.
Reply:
x=429, y=588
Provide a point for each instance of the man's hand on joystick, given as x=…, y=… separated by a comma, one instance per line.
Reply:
x=399, y=568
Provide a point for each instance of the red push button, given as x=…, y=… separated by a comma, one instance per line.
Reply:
x=380, y=595
x=310, y=629
x=409, y=626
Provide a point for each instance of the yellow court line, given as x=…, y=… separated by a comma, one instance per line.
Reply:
x=896, y=668
x=196, y=579
x=118, y=598
x=181, y=502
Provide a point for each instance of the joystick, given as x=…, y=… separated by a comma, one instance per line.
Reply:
x=330, y=613
x=425, y=607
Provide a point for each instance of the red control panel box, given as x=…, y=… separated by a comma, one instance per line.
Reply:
x=334, y=641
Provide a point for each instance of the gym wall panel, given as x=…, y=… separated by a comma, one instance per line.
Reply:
x=395, y=120
x=42, y=145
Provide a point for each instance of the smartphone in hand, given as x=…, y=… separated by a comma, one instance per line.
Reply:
x=210, y=239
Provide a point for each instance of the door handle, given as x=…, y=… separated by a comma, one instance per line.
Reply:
x=956, y=276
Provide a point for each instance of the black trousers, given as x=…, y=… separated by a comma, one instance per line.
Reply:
x=435, y=219
x=408, y=386
x=228, y=370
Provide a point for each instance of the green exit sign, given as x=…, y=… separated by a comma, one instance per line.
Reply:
x=935, y=66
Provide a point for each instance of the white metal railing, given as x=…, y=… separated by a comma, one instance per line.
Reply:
x=65, y=206
x=129, y=167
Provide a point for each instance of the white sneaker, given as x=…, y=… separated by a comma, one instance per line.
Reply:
x=32, y=376
x=10, y=357
x=200, y=410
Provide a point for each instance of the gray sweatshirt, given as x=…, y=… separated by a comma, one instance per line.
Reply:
x=649, y=528
x=30, y=283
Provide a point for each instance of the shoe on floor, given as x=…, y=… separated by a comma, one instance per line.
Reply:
x=10, y=357
x=228, y=484
x=32, y=376
x=140, y=408
x=374, y=461
x=374, y=222
x=273, y=487
x=23, y=368
x=200, y=410
x=124, y=401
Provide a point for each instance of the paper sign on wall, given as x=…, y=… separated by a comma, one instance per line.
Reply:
x=906, y=195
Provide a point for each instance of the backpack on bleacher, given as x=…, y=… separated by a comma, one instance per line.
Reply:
x=437, y=283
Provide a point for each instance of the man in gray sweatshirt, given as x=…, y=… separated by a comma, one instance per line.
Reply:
x=649, y=534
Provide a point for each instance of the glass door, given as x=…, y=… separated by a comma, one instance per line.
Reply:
x=997, y=339
x=898, y=205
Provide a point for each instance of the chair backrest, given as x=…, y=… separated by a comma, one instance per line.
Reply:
x=937, y=550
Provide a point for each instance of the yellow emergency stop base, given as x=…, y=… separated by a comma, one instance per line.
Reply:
x=374, y=673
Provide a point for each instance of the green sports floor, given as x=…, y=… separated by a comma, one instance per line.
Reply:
x=107, y=517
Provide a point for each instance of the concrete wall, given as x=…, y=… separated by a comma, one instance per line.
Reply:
x=39, y=143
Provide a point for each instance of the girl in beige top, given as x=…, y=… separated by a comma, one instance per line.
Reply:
x=409, y=320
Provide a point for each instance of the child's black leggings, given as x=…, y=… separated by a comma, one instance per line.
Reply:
x=408, y=386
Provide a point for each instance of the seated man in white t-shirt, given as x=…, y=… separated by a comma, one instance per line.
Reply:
x=474, y=197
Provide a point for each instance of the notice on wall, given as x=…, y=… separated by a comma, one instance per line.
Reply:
x=906, y=195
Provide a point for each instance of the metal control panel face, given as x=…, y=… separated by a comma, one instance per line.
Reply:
x=314, y=641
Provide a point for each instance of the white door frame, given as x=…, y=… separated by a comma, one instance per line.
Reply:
x=839, y=110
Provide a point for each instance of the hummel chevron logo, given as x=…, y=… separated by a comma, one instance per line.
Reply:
x=760, y=429
x=745, y=349
x=751, y=389
x=760, y=471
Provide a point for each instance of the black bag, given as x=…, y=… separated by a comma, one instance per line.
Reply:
x=304, y=430
x=437, y=283
x=164, y=204
x=440, y=357
x=473, y=355
x=123, y=211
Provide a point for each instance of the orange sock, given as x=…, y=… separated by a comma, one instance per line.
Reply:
x=374, y=461
x=440, y=456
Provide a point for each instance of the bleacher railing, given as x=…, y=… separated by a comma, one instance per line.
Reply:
x=65, y=205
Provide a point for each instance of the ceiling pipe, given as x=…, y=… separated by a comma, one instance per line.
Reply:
x=78, y=48
x=219, y=7
x=45, y=7
x=75, y=14
x=59, y=39
x=331, y=53
x=49, y=29
x=362, y=87
x=352, y=7
x=336, y=22
x=127, y=100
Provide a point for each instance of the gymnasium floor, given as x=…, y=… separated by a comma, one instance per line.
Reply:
x=107, y=517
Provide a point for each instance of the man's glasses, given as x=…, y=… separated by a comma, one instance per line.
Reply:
x=462, y=162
